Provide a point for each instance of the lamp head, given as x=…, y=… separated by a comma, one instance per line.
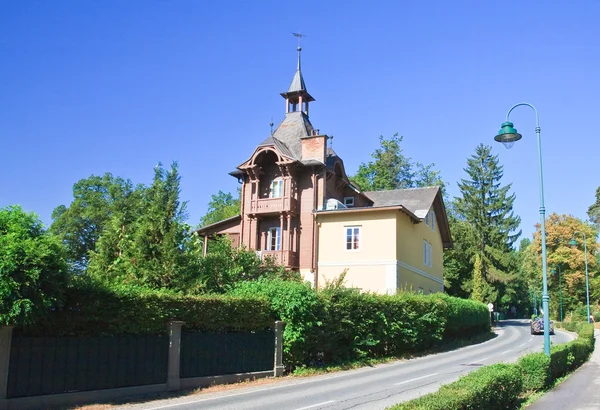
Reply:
x=553, y=271
x=508, y=135
x=573, y=242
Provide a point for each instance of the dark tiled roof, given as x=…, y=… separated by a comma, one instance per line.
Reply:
x=294, y=126
x=279, y=145
x=297, y=82
x=416, y=200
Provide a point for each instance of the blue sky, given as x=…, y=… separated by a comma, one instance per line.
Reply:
x=88, y=87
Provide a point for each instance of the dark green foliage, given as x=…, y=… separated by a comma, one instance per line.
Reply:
x=33, y=268
x=594, y=210
x=488, y=208
x=221, y=206
x=148, y=244
x=226, y=265
x=464, y=317
x=495, y=387
x=340, y=324
x=536, y=371
x=569, y=356
x=93, y=309
x=297, y=305
x=95, y=201
x=458, y=261
x=390, y=169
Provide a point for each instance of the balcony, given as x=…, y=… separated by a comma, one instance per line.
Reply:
x=285, y=258
x=273, y=205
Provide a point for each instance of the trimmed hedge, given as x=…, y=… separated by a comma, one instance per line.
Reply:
x=499, y=386
x=536, y=371
x=495, y=387
x=95, y=310
x=339, y=324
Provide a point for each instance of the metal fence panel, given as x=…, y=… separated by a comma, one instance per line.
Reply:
x=214, y=354
x=50, y=365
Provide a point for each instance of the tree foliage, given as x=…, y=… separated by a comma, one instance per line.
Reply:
x=594, y=210
x=150, y=244
x=221, y=206
x=569, y=259
x=95, y=201
x=487, y=207
x=33, y=268
x=391, y=169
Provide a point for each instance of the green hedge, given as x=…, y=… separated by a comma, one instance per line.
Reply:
x=536, y=371
x=339, y=324
x=491, y=387
x=96, y=310
x=465, y=317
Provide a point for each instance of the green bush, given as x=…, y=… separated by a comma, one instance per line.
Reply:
x=536, y=371
x=495, y=387
x=93, y=309
x=33, y=268
x=298, y=306
x=465, y=317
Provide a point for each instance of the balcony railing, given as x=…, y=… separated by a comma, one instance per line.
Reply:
x=273, y=205
x=285, y=258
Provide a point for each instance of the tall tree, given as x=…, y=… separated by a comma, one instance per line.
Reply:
x=221, y=206
x=95, y=200
x=571, y=260
x=33, y=268
x=488, y=207
x=391, y=169
x=153, y=246
x=459, y=261
x=594, y=210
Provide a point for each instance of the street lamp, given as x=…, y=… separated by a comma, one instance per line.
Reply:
x=554, y=271
x=508, y=135
x=587, y=282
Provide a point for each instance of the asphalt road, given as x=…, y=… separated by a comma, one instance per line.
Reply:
x=371, y=387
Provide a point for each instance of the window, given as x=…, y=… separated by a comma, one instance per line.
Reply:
x=352, y=238
x=349, y=201
x=276, y=189
x=273, y=239
x=427, y=254
x=430, y=220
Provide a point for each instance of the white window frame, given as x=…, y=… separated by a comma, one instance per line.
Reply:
x=276, y=189
x=269, y=245
x=353, y=232
x=432, y=220
x=427, y=254
x=349, y=201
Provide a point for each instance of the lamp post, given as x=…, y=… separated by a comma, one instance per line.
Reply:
x=508, y=135
x=587, y=282
x=554, y=271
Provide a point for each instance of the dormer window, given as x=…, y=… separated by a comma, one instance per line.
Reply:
x=276, y=189
x=349, y=201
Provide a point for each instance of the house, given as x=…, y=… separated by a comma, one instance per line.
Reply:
x=299, y=207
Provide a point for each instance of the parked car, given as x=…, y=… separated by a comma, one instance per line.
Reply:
x=537, y=326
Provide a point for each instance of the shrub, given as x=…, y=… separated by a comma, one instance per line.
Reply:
x=491, y=387
x=33, y=268
x=93, y=309
x=465, y=317
x=298, y=306
x=536, y=371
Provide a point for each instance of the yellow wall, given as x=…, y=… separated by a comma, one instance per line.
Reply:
x=390, y=255
x=370, y=267
x=410, y=255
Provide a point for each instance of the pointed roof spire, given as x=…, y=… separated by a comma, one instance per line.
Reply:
x=297, y=85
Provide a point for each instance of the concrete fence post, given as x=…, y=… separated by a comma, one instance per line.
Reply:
x=278, y=365
x=173, y=380
x=5, y=342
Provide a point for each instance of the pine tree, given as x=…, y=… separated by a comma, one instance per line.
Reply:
x=488, y=207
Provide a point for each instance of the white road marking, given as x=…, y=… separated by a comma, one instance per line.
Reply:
x=506, y=351
x=412, y=380
x=480, y=360
x=522, y=344
x=316, y=405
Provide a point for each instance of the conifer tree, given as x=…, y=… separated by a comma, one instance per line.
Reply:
x=488, y=207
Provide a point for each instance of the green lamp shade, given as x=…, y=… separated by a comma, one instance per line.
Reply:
x=553, y=271
x=572, y=242
x=508, y=135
